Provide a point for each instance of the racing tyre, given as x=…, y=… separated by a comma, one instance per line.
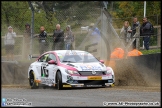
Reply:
x=59, y=81
x=32, y=83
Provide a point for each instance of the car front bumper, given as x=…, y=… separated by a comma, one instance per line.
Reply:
x=89, y=81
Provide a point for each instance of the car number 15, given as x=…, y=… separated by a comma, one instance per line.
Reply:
x=44, y=72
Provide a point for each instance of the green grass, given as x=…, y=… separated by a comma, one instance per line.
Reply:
x=151, y=51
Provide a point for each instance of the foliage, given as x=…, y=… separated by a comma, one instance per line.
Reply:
x=151, y=51
x=46, y=13
x=125, y=10
x=14, y=11
x=78, y=13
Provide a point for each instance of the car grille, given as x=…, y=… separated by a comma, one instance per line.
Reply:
x=89, y=73
x=93, y=82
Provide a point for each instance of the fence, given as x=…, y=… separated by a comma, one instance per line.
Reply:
x=78, y=18
x=155, y=41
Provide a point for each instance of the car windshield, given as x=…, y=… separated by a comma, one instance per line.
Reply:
x=77, y=57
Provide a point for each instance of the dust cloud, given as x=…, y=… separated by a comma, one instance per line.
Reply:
x=129, y=73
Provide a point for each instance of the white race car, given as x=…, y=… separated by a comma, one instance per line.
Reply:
x=69, y=68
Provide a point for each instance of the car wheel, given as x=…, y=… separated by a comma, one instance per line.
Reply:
x=32, y=83
x=59, y=81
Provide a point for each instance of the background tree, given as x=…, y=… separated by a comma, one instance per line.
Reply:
x=14, y=12
x=125, y=10
x=49, y=13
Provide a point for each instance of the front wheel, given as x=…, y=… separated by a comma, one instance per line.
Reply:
x=32, y=83
x=59, y=81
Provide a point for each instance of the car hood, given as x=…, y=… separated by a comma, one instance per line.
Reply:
x=87, y=66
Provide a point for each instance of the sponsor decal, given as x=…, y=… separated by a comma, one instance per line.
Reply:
x=75, y=53
x=94, y=77
x=66, y=85
x=79, y=85
x=94, y=85
x=90, y=67
x=47, y=81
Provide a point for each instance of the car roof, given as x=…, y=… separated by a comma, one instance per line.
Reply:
x=64, y=51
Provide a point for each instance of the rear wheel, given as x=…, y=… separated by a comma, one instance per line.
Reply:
x=32, y=83
x=59, y=80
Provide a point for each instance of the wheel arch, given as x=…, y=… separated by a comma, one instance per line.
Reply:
x=35, y=83
x=30, y=72
x=36, y=74
x=56, y=74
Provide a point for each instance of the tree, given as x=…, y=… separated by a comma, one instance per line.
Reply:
x=15, y=14
x=125, y=10
x=64, y=10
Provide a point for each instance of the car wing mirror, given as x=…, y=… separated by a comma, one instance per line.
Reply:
x=102, y=61
x=52, y=62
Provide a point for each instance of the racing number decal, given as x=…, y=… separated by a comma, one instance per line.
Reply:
x=44, y=72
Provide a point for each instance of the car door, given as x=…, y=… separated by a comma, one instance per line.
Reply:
x=51, y=68
x=39, y=65
x=43, y=71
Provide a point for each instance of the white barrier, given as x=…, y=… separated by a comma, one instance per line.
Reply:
x=86, y=28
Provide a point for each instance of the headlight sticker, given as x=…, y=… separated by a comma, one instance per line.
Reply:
x=109, y=71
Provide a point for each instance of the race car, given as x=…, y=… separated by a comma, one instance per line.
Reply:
x=69, y=68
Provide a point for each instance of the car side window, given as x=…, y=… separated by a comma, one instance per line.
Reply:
x=44, y=58
x=52, y=57
x=48, y=58
x=41, y=59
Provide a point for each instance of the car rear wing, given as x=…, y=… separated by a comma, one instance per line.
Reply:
x=31, y=56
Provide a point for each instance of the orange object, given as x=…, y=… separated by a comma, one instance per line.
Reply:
x=117, y=53
x=134, y=52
